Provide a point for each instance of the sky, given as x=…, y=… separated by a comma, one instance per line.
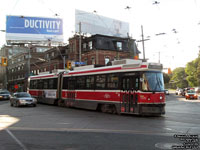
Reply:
x=179, y=20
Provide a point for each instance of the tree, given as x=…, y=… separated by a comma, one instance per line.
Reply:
x=166, y=77
x=178, y=78
x=193, y=72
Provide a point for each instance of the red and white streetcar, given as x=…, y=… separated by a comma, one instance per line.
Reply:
x=128, y=86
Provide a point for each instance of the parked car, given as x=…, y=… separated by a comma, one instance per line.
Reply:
x=184, y=91
x=191, y=94
x=4, y=95
x=166, y=92
x=176, y=92
x=22, y=99
x=180, y=91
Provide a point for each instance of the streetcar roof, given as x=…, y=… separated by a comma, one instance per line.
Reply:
x=116, y=68
x=49, y=75
x=91, y=70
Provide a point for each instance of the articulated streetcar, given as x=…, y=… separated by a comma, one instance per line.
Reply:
x=133, y=87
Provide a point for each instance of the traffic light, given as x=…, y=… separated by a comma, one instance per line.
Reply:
x=169, y=71
x=136, y=57
x=69, y=65
x=4, y=61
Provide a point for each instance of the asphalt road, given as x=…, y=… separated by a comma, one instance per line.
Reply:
x=49, y=127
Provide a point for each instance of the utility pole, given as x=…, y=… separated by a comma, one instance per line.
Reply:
x=79, y=43
x=63, y=62
x=29, y=55
x=143, y=42
x=144, y=59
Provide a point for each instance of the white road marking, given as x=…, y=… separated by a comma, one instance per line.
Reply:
x=63, y=123
x=168, y=129
x=94, y=130
x=16, y=140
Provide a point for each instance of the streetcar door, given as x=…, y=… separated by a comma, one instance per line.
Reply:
x=129, y=87
x=71, y=94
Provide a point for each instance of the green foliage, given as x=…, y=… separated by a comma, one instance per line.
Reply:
x=166, y=77
x=189, y=76
x=193, y=72
x=178, y=78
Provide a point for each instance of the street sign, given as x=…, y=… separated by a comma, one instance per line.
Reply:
x=79, y=63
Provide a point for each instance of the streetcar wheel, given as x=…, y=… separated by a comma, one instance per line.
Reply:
x=103, y=108
x=114, y=109
x=60, y=103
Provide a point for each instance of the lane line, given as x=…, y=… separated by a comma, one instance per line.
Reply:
x=16, y=140
x=169, y=133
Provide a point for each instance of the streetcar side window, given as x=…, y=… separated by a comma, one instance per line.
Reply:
x=65, y=83
x=137, y=84
x=72, y=83
x=40, y=84
x=90, y=82
x=45, y=83
x=112, y=81
x=31, y=84
x=124, y=84
x=80, y=82
x=34, y=84
x=100, y=81
x=53, y=83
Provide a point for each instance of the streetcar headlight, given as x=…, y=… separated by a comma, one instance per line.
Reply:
x=161, y=97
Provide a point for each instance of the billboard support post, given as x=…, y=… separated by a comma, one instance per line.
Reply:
x=80, y=42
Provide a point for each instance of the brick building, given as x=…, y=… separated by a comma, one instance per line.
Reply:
x=100, y=49
x=96, y=49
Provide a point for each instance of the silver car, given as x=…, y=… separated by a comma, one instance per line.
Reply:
x=22, y=99
x=4, y=95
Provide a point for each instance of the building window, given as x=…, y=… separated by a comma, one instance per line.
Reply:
x=119, y=45
x=47, y=56
x=107, y=59
x=52, y=54
x=84, y=46
x=86, y=61
x=90, y=45
x=93, y=60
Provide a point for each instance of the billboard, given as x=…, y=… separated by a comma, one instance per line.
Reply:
x=96, y=24
x=33, y=29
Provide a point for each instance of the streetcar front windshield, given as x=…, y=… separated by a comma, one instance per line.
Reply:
x=152, y=81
